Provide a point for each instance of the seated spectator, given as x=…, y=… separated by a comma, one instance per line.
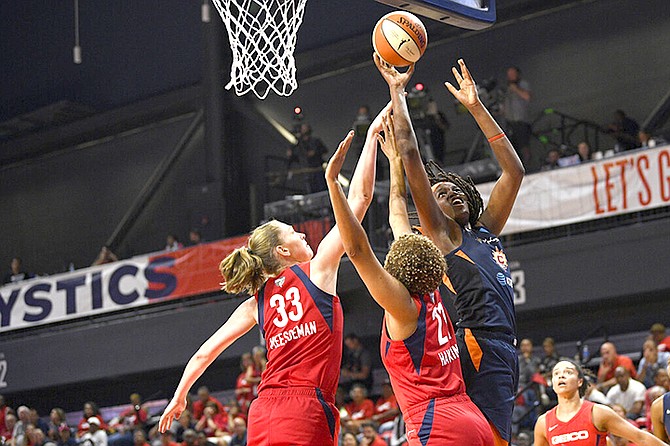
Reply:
x=239, y=437
x=56, y=419
x=650, y=395
x=657, y=332
x=130, y=420
x=90, y=410
x=647, y=141
x=370, y=437
x=349, y=439
x=652, y=361
x=214, y=422
x=199, y=405
x=194, y=237
x=65, y=437
x=593, y=394
x=38, y=422
x=529, y=365
x=16, y=272
x=140, y=438
x=172, y=243
x=167, y=439
x=360, y=410
x=190, y=438
x=244, y=389
x=105, y=256
x=19, y=432
x=7, y=428
x=551, y=161
x=258, y=354
x=584, y=152
x=614, y=440
x=609, y=361
x=356, y=364
x=627, y=392
x=386, y=407
x=4, y=410
x=35, y=436
x=234, y=412
x=95, y=435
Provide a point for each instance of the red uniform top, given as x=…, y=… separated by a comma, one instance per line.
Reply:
x=302, y=326
x=383, y=405
x=426, y=365
x=578, y=431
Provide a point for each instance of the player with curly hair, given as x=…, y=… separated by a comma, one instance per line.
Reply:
x=418, y=344
x=452, y=215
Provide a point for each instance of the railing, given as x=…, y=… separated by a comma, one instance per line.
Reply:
x=555, y=129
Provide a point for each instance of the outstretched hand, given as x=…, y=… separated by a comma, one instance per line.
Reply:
x=337, y=160
x=172, y=412
x=376, y=125
x=467, y=90
x=387, y=142
x=393, y=77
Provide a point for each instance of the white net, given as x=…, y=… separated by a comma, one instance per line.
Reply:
x=262, y=35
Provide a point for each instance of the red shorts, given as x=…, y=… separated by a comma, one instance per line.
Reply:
x=453, y=420
x=293, y=417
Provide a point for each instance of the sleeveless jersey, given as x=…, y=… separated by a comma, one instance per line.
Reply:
x=426, y=365
x=479, y=279
x=302, y=326
x=666, y=413
x=579, y=431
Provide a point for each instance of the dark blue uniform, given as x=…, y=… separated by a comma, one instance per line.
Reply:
x=666, y=413
x=478, y=277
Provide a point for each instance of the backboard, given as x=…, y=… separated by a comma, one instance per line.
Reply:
x=469, y=14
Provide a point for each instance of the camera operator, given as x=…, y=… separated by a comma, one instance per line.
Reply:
x=309, y=151
x=516, y=111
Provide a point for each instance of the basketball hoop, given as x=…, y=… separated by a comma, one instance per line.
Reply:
x=262, y=35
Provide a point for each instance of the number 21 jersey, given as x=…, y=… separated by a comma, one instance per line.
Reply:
x=302, y=326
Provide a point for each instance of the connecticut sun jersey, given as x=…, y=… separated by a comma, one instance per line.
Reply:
x=302, y=326
x=426, y=365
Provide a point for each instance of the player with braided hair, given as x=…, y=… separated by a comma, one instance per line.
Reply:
x=451, y=214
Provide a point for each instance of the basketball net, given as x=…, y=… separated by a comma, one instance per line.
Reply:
x=262, y=36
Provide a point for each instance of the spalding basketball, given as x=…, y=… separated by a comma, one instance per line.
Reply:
x=399, y=38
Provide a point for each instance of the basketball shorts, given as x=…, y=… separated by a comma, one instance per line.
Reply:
x=490, y=369
x=449, y=421
x=293, y=417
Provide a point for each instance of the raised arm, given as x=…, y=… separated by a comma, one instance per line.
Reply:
x=384, y=288
x=433, y=222
x=240, y=322
x=507, y=187
x=330, y=250
x=398, y=216
x=606, y=419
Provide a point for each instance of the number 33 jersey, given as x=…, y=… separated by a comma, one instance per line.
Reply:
x=426, y=365
x=302, y=326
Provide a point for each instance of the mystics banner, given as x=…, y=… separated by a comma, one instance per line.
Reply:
x=628, y=182
x=138, y=281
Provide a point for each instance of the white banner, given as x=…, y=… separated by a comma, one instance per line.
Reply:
x=628, y=182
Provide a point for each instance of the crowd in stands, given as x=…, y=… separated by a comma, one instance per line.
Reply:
x=368, y=407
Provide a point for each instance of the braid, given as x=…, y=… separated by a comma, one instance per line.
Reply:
x=437, y=175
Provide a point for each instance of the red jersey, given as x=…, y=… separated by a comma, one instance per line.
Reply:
x=426, y=365
x=578, y=431
x=384, y=404
x=302, y=326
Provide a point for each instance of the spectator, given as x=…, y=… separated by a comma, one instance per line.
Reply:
x=657, y=332
x=649, y=142
x=356, y=364
x=195, y=237
x=258, y=354
x=56, y=419
x=244, y=389
x=523, y=439
x=16, y=273
x=370, y=437
x=625, y=130
x=386, y=407
x=349, y=439
x=65, y=437
x=204, y=397
x=309, y=150
x=652, y=361
x=650, y=395
x=528, y=364
x=584, y=152
x=95, y=435
x=627, y=392
x=90, y=410
x=516, y=110
x=662, y=379
x=361, y=125
x=592, y=393
x=437, y=124
x=35, y=436
x=19, y=433
x=140, y=438
x=167, y=439
x=38, y=422
x=190, y=437
x=239, y=437
x=214, y=422
x=551, y=161
x=360, y=410
x=4, y=410
x=172, y=243
x=609, y=361
x=132, y=419
x=184, y=423
x=7, y=428
x=105, y=256
x=615, y=440
x=550, y=358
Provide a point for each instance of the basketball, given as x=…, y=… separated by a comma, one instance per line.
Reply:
x=399, y=38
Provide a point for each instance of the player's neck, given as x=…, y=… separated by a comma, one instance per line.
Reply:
x=568, y=406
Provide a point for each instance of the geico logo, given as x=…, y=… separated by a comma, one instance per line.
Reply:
x=572, y=436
